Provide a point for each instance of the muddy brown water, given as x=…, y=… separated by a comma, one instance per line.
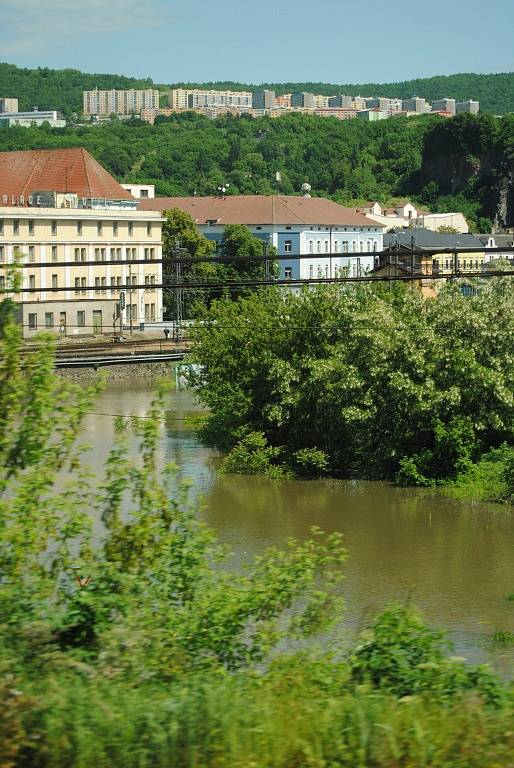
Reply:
x=454, y=560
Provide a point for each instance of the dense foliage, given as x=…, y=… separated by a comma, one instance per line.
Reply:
x=464, y=164
x=59, y=89
x=360, y=382
x=135, y=646
x=62, y=89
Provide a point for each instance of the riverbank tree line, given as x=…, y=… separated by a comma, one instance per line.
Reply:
x=134, y=644
x=362, y=382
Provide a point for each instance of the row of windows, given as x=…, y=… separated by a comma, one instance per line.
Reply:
x=49, y=322
x=101, y=227
x=81, y=254
x=339, y=271
x=346, y=246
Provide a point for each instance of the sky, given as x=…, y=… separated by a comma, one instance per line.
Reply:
x=337, y=41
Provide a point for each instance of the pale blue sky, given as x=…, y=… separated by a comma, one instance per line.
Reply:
x=339, y=41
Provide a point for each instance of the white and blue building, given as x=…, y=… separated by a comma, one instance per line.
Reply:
x=331, y=239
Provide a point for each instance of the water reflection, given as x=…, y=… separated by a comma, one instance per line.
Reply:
x=454, y=559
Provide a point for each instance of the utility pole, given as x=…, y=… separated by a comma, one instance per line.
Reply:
x=179, y=296
x=130, y=297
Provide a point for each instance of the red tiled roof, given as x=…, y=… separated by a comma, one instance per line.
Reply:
x=59, y=170
x=261, y=209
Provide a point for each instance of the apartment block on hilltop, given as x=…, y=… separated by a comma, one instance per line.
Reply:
x=335, y=240
x=80, y=242
x=8, y=105
x=120, y=102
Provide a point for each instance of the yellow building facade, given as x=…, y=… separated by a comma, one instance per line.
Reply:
x=75, y=264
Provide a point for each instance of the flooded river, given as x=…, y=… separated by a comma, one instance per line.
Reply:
x=455, y=560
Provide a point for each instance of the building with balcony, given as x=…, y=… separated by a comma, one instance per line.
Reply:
x=79, y=241
x=113, y=102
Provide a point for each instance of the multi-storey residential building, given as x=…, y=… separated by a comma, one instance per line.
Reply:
x=444, y=262
x=80, y=242
x=29, y=119
x=332, y=239
x=180, y=98
x=8, y=105
x=129, y=102
x=371, y=115
x=263, y=99
x=415, y=104
x=345, y=102
x=444, y=105
x=283, y=101
x=305, y=100
x=467, y=106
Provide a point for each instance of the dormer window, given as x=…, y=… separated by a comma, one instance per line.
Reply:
x=212, y=222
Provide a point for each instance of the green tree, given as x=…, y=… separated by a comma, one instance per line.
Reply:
x=180, y=238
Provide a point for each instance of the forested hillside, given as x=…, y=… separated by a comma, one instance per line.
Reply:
x=62, y=89
x=57, y=88
x=495, y=92
x=465, y=164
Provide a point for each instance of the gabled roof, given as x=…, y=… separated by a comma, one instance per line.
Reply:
x=425, y=238
x=59, y=170
x=262, y=209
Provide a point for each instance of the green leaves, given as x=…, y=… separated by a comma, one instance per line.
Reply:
x=361, y=381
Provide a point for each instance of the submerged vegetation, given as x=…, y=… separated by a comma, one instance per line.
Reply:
x=364, y=383
x=139, y=649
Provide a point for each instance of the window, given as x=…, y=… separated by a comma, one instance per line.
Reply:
x=326, y=246
x=32, y=253
x=149, y=229
x=130, y=228
x=54, y=229
x=152, y=279
x=115, y=228
x=336, y=246
x=54, y=253
x=118, y=281
x=54, y=282
x=147, y=311
x=2, y=282
x=361, y=245
x=77, y=285
x=104, y=254
x=32, y=321
x=318, y=246
x=1, y=252
x=83, y=252
x=104, y=284
x=118, y=254
x=16, y=227
x=288, y=246
x=49, y=319
x=83, y=284
x=97, y=285
x=288, y=273
x=81, y=319
x=79, y=227
x=147, y=253
x=97, y=254
x=311, y=270
x=113, y=282
x=99, y=228
x=147, y=279
x=375, y=245
x=326, y=270
x=143, y=193
x=77, y=254
x=31, y=227
x=1, y=226
x=311, y=246
x=32, y=281
x=345, y=246
x=113, y=254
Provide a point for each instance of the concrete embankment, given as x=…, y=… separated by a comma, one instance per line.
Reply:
x=118, y=372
